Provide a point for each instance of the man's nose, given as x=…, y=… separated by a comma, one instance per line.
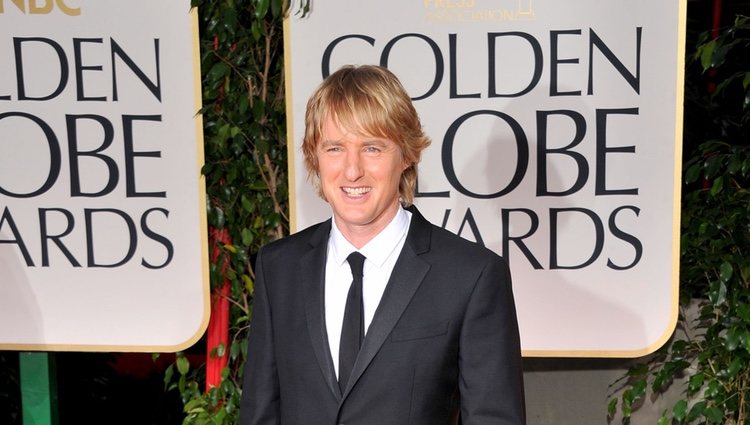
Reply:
x=354, y=168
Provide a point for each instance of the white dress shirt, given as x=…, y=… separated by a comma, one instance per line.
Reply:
x=381, y=254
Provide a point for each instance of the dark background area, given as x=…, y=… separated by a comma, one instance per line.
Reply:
x=122, y=388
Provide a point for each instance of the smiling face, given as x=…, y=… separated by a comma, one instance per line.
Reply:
x=359, y=178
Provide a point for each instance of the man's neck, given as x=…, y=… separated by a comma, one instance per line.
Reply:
x=359, y=236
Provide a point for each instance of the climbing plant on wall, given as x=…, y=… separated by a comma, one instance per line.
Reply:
x=241, y=48
x=711, y=354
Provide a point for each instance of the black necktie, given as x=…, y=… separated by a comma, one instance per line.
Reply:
x=353, y=329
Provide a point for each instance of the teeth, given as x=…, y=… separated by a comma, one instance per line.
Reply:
x=356, y=191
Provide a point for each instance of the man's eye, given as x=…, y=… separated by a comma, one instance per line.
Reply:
x=372, y=149
x=333, y=149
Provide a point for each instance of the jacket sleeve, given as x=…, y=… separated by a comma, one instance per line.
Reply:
x=490, y=370
x=260, y=388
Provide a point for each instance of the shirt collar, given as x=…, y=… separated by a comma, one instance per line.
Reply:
x=379, y=248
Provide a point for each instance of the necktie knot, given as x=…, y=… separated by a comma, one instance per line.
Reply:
x=356, y=263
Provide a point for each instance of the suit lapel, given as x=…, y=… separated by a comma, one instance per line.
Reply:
x=405, y=279
x=313, y=265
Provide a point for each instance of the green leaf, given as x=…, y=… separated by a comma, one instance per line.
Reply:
x=248, y=283
x=259, y=109
x=714, y=415
x=735, y=367
x=234, y=349
x=219, y=217
x=246, y=204
x=745, y=340
x=168, y=373
x=732, y=338
x=696, y=411
x=717, y=293
x=712, y=390
x=220, y=416
x=276, y=7
x=717, y=186
x=243, y=105
x=627, y=403
x=725, y=272
x=261, y=9
x=743, y=312
x=639, y=370
x=679, y=346
x=679, y=411
x=666, y=374
x=639, y=390
x=696, y=382
x=247, y=236
x=218, y=71
x=262, y=146
x=230, y=19
x=612, y=406
x=663, y=420
x=255, y=30
x=703, y=228
x=720, y=53
x=230, y=408
x=735, y=164
x=192, y=404
x=712, y=165
x=693, y=173
x=183, y=365
x=259, y=185
x=706, y=53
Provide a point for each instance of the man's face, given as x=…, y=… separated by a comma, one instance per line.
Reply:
x=359, y=177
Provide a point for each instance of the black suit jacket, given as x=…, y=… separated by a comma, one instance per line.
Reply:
x=444, y=335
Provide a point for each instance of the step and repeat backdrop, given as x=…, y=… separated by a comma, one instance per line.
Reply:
x=102, y=205
x=556, y=132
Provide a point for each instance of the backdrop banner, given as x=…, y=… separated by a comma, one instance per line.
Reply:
x=102, y=204
x=556, y=142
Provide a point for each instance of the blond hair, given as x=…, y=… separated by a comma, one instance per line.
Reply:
x=368, y=100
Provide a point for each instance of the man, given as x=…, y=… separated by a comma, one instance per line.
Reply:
x=427, y=334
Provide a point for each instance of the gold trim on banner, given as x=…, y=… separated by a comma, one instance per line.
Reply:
x=676, y=210
x=676, y=203
x=290, y=142
x=198, y=118
x=200, y=160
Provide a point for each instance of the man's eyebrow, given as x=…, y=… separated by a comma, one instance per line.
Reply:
x=374, y=141
x=328, y=142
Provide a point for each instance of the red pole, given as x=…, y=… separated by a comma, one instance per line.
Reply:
x=711, y=85
x=717, y=19
x=218, y=324
x=715, y=31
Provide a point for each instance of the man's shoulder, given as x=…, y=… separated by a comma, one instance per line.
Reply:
x=445, y=239
x=450, y=253
x=445, y=242
x=297, y=242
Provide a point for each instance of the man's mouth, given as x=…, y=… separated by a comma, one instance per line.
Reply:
x=356, y=191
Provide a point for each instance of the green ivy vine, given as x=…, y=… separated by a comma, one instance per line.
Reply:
x=241, y=47
x=711, y=357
